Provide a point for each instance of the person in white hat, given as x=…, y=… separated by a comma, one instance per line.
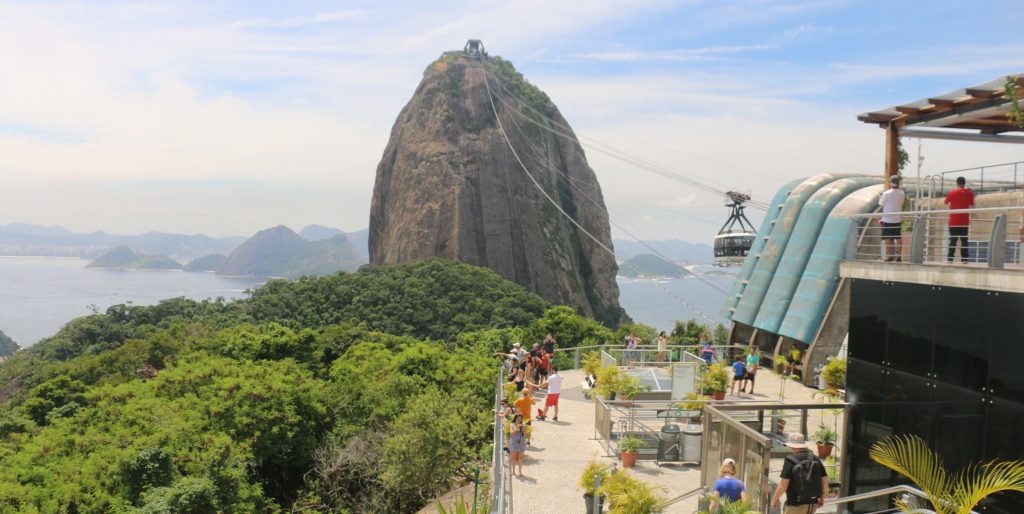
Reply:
x=803, y=478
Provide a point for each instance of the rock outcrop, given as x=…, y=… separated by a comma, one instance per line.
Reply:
x=449, y=186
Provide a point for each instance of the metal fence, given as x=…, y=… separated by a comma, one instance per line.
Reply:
x=993, y=177
x=993, y=237
x=501, y=486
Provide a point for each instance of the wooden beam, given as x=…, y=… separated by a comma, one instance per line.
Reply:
x=892, y=143
x=940, y=102
x=906, y=109
x=983, y=93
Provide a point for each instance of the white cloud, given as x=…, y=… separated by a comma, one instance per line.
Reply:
x=687, y=200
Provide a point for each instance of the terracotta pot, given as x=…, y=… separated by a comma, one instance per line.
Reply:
x=629, y=459
x=824, y=450
x=719, y=395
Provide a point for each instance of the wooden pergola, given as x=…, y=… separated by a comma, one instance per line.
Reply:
x=981, y=113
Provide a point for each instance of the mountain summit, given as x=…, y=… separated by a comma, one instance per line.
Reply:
x=450, y=186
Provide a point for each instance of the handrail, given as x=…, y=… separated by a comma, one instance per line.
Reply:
x=937, y=211
x=980, y=167
x=501, y=501
x=681, y=497
x=887, y=491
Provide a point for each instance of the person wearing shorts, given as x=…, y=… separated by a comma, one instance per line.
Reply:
x=554, y=387
x=753, y=360
x=892, y=202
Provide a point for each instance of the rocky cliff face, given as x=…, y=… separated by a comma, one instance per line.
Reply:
x=449, y=186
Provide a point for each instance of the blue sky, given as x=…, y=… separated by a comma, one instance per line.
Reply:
x=229, y=117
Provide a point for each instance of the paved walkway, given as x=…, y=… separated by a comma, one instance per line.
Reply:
x=562, y=448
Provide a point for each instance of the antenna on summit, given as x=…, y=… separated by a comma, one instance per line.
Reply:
x=475, y=48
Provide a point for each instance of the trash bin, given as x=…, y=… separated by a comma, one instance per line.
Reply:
x=692, y=439
x=668, y=443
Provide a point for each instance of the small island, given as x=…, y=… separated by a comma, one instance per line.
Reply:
x=650, y=266
x=123, y=258
x=206, y=263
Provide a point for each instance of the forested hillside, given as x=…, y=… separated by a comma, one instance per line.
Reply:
x=362, y=392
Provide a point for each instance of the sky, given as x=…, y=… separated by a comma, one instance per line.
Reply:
x=226, y=118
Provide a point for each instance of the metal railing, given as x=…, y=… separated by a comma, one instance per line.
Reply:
x=992, y=177
x=501, y=487
x=993, y=237
x=888, y=491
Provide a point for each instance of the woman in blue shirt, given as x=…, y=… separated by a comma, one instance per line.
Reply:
x=728, y=487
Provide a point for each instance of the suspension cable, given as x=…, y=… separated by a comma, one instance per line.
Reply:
x=572, y=183
x=650, y=166
x=558, y=207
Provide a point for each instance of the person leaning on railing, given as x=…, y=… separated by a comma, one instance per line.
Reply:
x=959, y=198
x=891, y=202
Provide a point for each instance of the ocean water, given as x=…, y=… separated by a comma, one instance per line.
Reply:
x=38, y=295
x=660, y=303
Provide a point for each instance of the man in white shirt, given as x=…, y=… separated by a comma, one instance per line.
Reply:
x=554, y=387
x=890, y=202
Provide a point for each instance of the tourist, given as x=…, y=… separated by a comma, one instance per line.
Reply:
x=662, y=347
x=549, y=345
x=525, y=405
x=707, y=352
x=892, y=202
x=629, y=347
x=518, y=351
x=553, y=384
x=753, y=362
x=959, y=198
x=504, y=410
x=520, y=376
x=727, y=488
x=793, y=479
x=739, y=369
x=517, y=443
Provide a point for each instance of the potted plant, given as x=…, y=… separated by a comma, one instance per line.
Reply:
x=826, y=439
x=834, y=374
x=716, y=381
x=724, y=506
x=629, y=448
x=591, y=363
x=629, y=386
x=589, y=483
x=608, y=379
x=694, y=407
x=629, y=495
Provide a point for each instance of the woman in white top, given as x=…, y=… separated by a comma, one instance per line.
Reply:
x=662, y=347
x=892, y=202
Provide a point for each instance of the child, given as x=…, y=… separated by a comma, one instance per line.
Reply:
x=739, y=374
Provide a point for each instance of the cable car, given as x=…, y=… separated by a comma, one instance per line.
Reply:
x=737, y=235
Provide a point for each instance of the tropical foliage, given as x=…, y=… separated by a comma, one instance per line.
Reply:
x=357, y=392
x=947, y=493
x=629, y=495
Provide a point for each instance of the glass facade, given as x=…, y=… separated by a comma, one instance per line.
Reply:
x=946, y=364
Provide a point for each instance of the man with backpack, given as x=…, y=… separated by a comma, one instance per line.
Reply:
x=803, y=479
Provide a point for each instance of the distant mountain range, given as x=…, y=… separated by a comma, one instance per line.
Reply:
x=672, y=249
x=38, y=240
x=26, y=239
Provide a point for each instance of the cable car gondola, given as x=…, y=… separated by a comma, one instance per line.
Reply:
x=737, y=234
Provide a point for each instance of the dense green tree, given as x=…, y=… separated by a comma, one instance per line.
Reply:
x=7, y=345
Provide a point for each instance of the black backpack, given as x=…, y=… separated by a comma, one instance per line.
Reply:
x=806, y=481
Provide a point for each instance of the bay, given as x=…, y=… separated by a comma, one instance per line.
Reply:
x=38, y=295
x=660, y=303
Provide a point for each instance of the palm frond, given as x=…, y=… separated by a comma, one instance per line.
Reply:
x=976, y=482
x=910, y=456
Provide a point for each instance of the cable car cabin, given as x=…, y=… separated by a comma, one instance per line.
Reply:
x=735, y=238
x=731, y=249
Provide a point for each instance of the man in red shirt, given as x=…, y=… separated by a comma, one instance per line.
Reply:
x=959, y=198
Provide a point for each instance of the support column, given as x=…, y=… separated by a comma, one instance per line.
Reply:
x=892, y=144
